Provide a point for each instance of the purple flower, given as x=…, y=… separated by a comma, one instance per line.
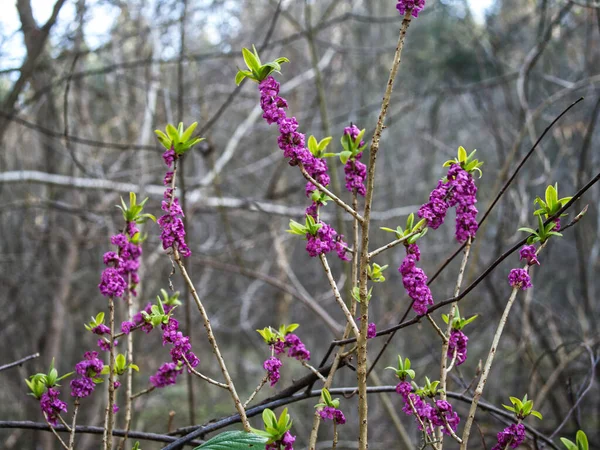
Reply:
x=331, y=413
x=528, y=253
x=407, y=5
x=51, y=405
x=272, y=366
x=172, y=231
x=463, y=196
x=101, y=329
x=513, y=435
x=166, y=375
x=82, y=387
x=127, y=326
x=182, y=349
x=519, y=278
x=413, y=249
x=404, y=388
x=90, y=366
x=111, y=258
x=115, y=408
x=557, y=226
x=296, y=348
x=286, y=441
x=415, y=283
x=423, y=409
x=112, y=283
x=356, y=172
x=458, y=342
x=445, y=415
x=104, y=345
x=371, y=331
x=169, y=156
x=434, y=211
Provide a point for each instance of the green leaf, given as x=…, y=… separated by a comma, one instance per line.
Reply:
x=462, y=154
x=345, y=156
x=551, y=197
x=536, y=414
x=269, y=418
x=569, y=444
x=172, y=133
x=234, y=440
x=582, y=440
x=187, y=134
x=324, y=143
x=510, y=408
x=251, y=60
x=239, y=77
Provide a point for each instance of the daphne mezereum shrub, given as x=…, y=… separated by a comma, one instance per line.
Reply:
x=430, y=404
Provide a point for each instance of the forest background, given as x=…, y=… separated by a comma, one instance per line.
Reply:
x=84, y=83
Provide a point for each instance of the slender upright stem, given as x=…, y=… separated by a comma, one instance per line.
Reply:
x=312, y=443
x=72, y=433
x=444, y=359
x=213, y=342
x=109, y=414
x=258, y=388
x=364, y=255
x=488, y=363
x=129, y=379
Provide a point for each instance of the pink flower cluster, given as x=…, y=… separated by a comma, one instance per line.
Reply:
x=123, y=265
x=439, y=415
x=355, y=171
x=458, y=191
x=415, y=280
x=166, y=375
x=172, y=232
x=331, y=413
x=528, y=253
x=272, y=366
x=293, y=144
x=519, y=278
x=87, y=369
x=287, y=442
x=457, y=343
x=415, y=6
x=295, y=349
x=513, y=435
x=51, y=405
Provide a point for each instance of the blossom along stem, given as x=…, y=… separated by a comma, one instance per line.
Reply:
x=334, y=197
x=258, y=388
x=73, y=428
x=143, y=392
x=444, y=359
x=109, y=414
x=315, y=371
x=212, y=341
x=129, y=379
x=55, y=433
x=340, y=354
x=391, y=244
x=137, y=327
x=338, y=297
x=211, y=337
x=364, y=256
x=204, y=377
x=489, y=361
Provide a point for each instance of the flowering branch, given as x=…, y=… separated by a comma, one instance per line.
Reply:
x=443, y=369
x=490, y=360
x=55, y=433
x=109, y=413
x=364, y=256
x=391, y=245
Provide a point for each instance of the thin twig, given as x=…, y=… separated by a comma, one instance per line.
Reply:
x=55, y=433
x=258, y=388
x=338, y=201
x=73, y=426
x=315, y=371
x=143, y=392
x=109, y=413
x=19, y=362
x=204, y=377
x=391, y=244
x=336, y=294
x=437, y=328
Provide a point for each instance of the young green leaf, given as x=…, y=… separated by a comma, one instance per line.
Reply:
x=235, y=440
